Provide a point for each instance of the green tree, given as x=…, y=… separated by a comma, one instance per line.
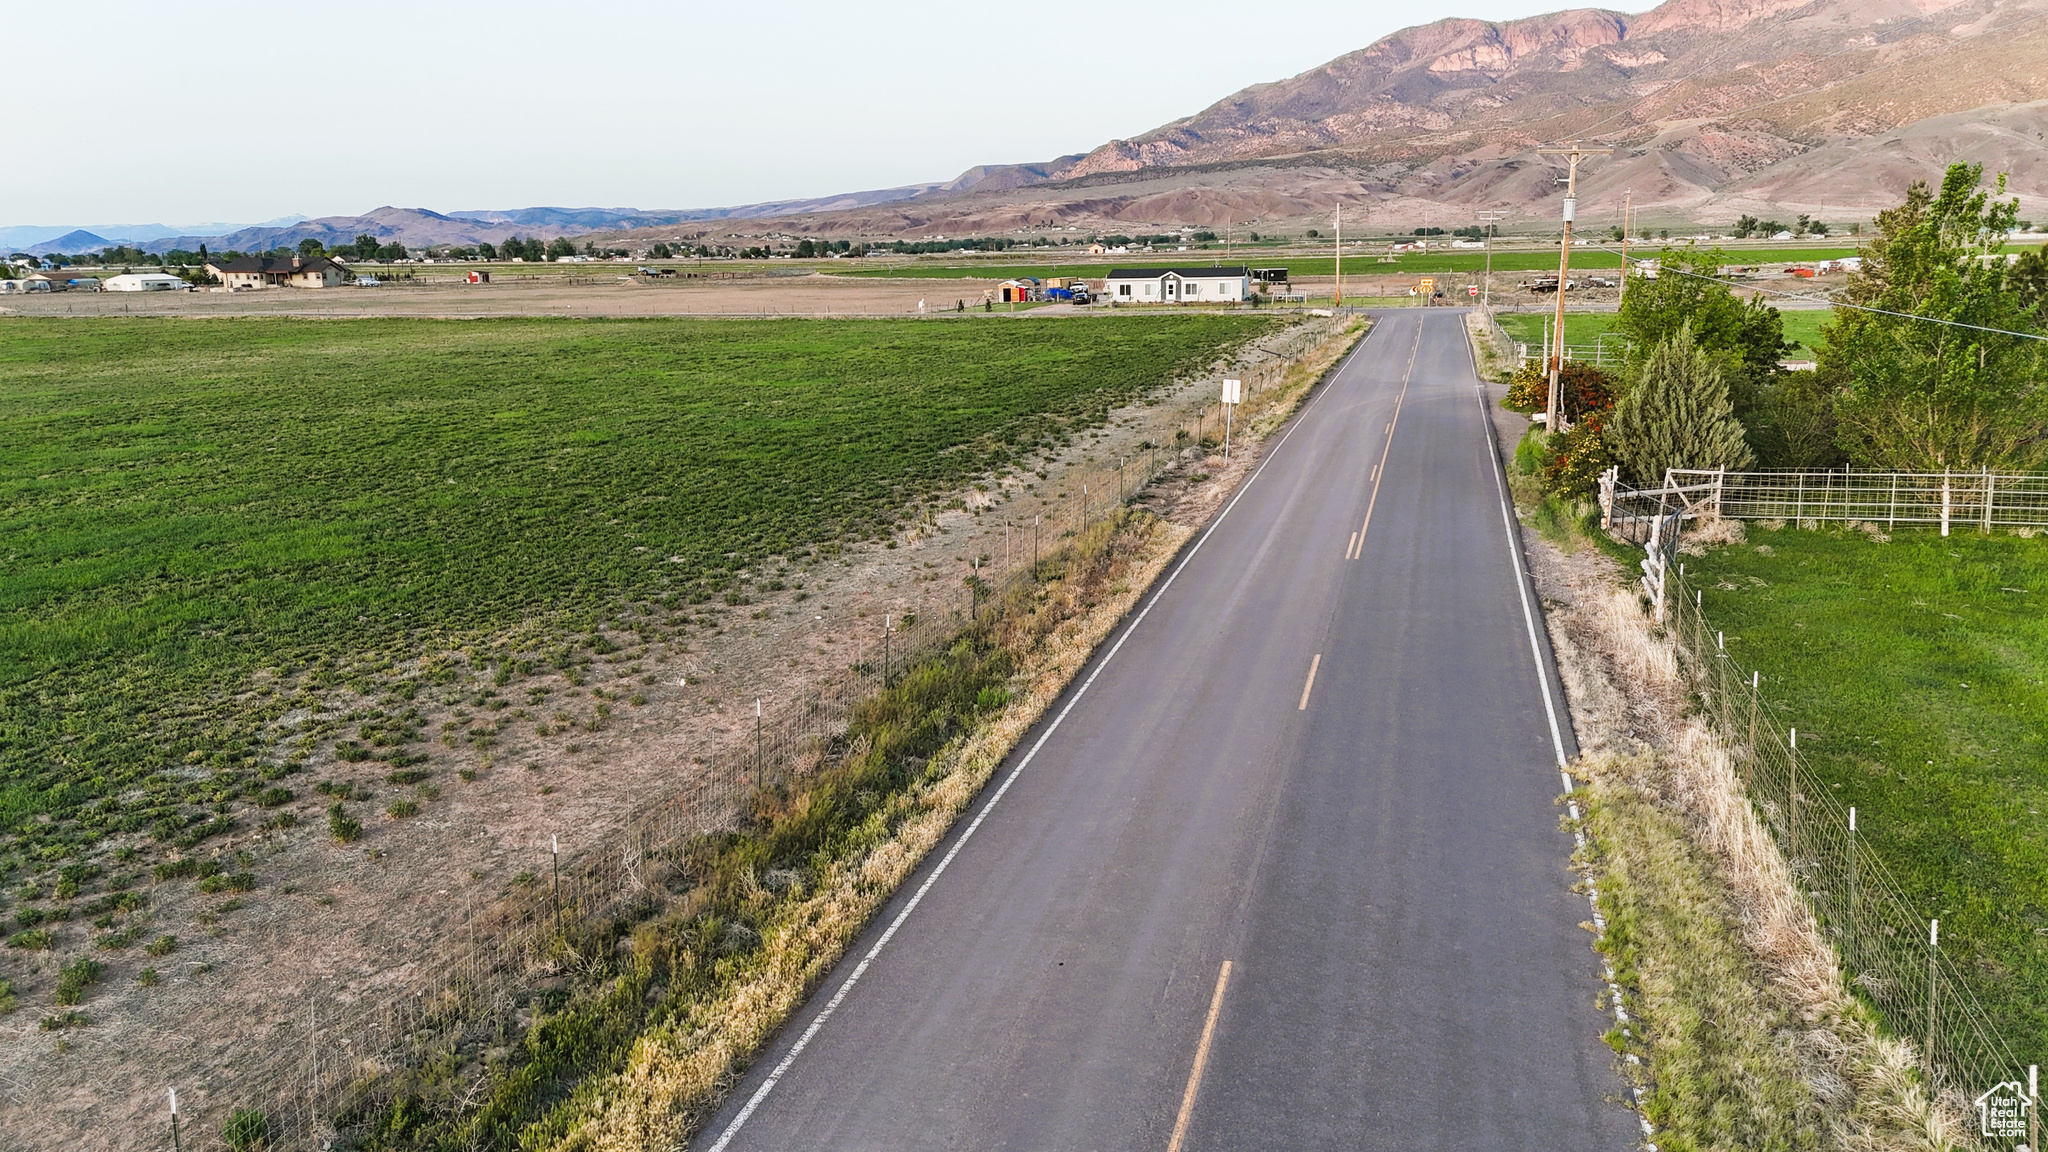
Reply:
x=365, y=247
x=309, y=248
x=1746, y=340
x=487, y=250
x=660, y=252
x=1745, y=227
x=559, y=248
x=1921, y=396
x=1677, y=415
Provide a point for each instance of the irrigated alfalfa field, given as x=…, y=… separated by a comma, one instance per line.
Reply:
x=206, y=522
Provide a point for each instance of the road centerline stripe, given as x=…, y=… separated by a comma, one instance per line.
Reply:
x=1187, y=1099
x=1379, y=471
x=788, y=1061
x=1350, y=545
x=1305, y=688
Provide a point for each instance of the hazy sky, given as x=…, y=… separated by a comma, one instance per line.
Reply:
x=142, y=111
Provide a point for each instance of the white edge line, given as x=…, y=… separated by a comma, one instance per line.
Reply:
x=853, y=978
x=1507, y=521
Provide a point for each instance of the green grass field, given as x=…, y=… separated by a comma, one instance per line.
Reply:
x=187, y=504
x=1917, y=674
x=1585, y=328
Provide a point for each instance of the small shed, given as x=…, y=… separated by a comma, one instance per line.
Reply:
x=477, y=276
x=1017, y=291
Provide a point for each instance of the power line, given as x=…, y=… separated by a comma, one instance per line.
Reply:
x=1661, y=271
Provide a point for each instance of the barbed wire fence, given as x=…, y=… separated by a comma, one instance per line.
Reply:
x=476, y=987
x=1890, y=954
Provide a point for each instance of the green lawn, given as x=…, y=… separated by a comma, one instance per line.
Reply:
x=1584, y=328
x=186, y=503
x=1917, y=674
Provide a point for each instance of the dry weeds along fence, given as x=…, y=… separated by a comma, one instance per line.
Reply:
x=1739, y=1031
x=1890, y=954
x=359, y=1067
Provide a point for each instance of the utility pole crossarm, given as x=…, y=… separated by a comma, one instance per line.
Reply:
x=1574, y=153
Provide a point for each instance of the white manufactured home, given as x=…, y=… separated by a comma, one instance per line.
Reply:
x=1178, y=285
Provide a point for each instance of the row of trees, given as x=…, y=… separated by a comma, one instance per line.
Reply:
x=1747, y=226
x=1938, y=365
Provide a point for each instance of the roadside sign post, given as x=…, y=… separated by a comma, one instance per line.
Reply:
x=1233, y=395
x=176, y=1145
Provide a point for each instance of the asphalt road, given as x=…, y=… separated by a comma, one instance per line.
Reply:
x=1374, y=851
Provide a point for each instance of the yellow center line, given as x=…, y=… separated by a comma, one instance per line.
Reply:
x=1379, y=471
x=1187, y=1099
x=1312, y=666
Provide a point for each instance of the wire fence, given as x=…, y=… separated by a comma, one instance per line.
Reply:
x=475, y=988
x=1890, y=953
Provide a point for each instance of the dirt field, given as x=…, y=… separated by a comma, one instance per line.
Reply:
x=332, y=924
x=611, y=295
x=553, y=296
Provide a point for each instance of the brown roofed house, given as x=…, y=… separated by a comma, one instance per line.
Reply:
x=277, y=272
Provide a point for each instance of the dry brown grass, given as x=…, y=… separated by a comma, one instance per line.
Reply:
x=677, y=1073
x=1647, y=754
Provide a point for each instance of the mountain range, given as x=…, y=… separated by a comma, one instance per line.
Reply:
x=1711, y=108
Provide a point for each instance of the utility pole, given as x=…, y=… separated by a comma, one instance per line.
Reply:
x=1628, y=203
x=1490, y=220
x=1564, y=265
x=1340, y=257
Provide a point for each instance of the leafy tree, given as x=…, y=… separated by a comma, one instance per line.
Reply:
x=559, y=248
x=1745, y=340
x=487, y=250
x=1677, y=415
x=1745, y=227
x=660, y=252
x=365, y=247
x=805, y=249
x=309, y=248
x=1923, y=396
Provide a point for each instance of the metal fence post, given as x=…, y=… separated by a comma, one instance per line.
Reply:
x=1933, y=992
x=1988, y=481
x=1792, y=806
x=1854, y=950
x=1891, y=519
x=1944, y=501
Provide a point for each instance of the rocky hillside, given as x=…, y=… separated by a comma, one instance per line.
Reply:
x=1715, y=108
